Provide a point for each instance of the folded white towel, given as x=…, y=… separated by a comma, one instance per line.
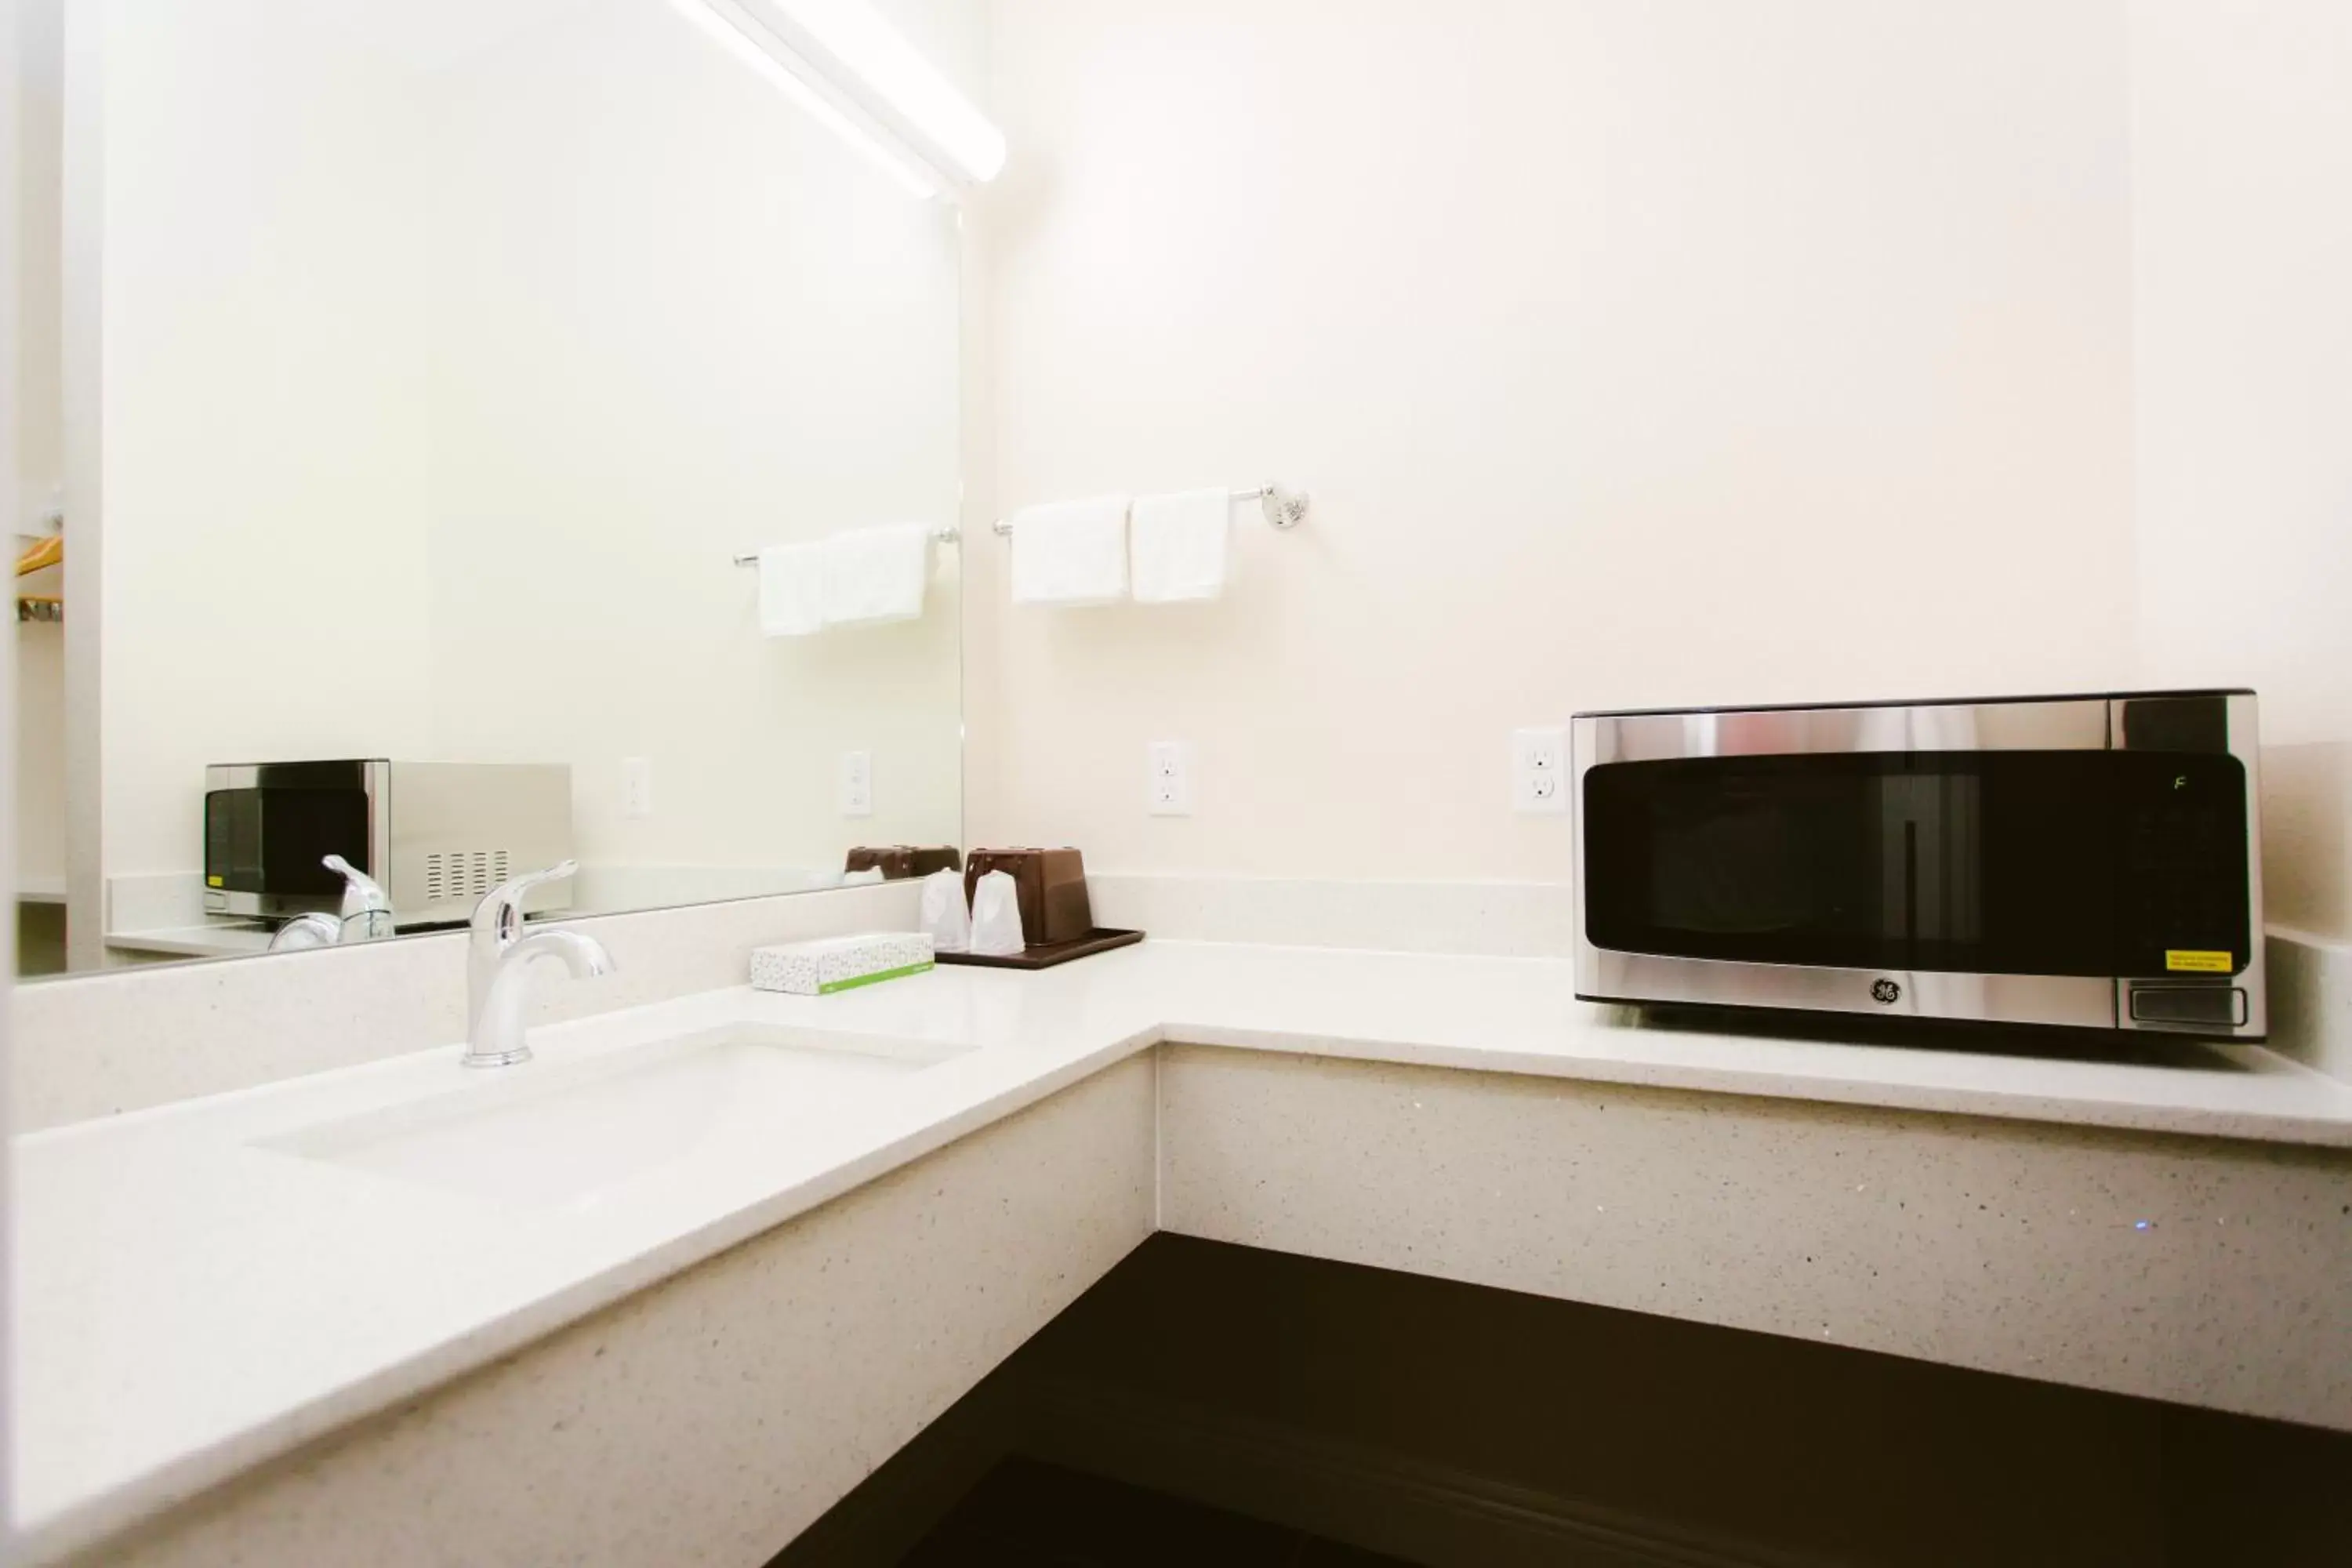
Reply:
x=874, y=575
x=1070, y=552
x=792, y=589
x=1179, y=545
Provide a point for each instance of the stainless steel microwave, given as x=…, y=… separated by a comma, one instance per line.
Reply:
x=435, y=835
x=2091, y=861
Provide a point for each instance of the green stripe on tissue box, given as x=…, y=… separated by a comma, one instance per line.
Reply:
x=830, y=986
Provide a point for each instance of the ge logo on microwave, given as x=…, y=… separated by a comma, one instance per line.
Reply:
x=1886, y=993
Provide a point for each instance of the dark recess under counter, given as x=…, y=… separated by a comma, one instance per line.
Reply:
x=1461, y=1427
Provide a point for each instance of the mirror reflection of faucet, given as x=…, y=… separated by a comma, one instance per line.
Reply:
x=366, y=917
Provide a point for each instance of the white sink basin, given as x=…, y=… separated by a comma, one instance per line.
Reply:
x=556, y=1135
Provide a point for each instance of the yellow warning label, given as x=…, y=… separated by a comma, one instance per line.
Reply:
x=2198, y=962
x=216, y=881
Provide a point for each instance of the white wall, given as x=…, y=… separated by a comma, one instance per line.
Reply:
x=40, y=729
x=2242, y=257
x=36, y=402
x=1696, y=351
x=264, y=437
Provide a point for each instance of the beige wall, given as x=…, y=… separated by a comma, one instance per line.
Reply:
x=1684, y=352
x=2243, y=246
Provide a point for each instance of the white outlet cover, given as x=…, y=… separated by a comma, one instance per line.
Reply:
x=854, y=788
x=636, y=787
x=1167, y=778
x=1539, y=771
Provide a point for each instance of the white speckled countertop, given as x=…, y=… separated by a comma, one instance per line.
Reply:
x=192, y=1304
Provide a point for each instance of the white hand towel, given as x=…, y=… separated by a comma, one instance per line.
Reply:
x=1071, y=553
x=792, y=590
x=1179, y=545
x=874, y=575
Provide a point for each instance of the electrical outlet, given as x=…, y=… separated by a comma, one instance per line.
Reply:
x=1167, y=778
x=636, y=786
x=857, y=784
x=1539, y=771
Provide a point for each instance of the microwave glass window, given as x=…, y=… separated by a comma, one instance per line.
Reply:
x=1977, y=862
x=274, y=840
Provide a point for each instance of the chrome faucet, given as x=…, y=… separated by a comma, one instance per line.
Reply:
x=497, y=926
x=496, y=1038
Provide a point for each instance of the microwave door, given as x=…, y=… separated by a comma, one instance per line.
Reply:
x=265, y=846
x=1992, y=863
x=1883, y=870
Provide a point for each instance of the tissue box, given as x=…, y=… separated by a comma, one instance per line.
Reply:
x=839, y=962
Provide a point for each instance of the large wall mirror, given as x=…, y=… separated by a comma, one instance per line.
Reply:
x=411, y=379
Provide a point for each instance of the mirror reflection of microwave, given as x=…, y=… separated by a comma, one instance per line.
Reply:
x=2092, y=861
x=436, y=836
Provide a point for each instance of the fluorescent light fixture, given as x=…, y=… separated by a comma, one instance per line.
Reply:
x=855, y=48
x=723, y=26
x=842, y=63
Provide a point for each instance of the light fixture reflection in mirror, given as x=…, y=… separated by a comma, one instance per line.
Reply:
x=723, y=31
x=847, y=65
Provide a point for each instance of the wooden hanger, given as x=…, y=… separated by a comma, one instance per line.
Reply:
x=49, y=551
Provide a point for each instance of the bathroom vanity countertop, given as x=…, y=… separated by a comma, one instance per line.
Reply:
x=193, y=1303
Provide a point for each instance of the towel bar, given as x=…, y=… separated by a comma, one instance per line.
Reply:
x=945, y=536
x=1283, y=508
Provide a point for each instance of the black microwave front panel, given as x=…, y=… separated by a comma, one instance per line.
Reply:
x=273, y=839
x=1987, y=862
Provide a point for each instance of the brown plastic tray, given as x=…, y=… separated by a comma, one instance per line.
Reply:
x=1046, y=954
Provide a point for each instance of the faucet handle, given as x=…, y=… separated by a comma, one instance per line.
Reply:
x=529, y=880
x=362, y=892
x=367, y=907
x=498, y=916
